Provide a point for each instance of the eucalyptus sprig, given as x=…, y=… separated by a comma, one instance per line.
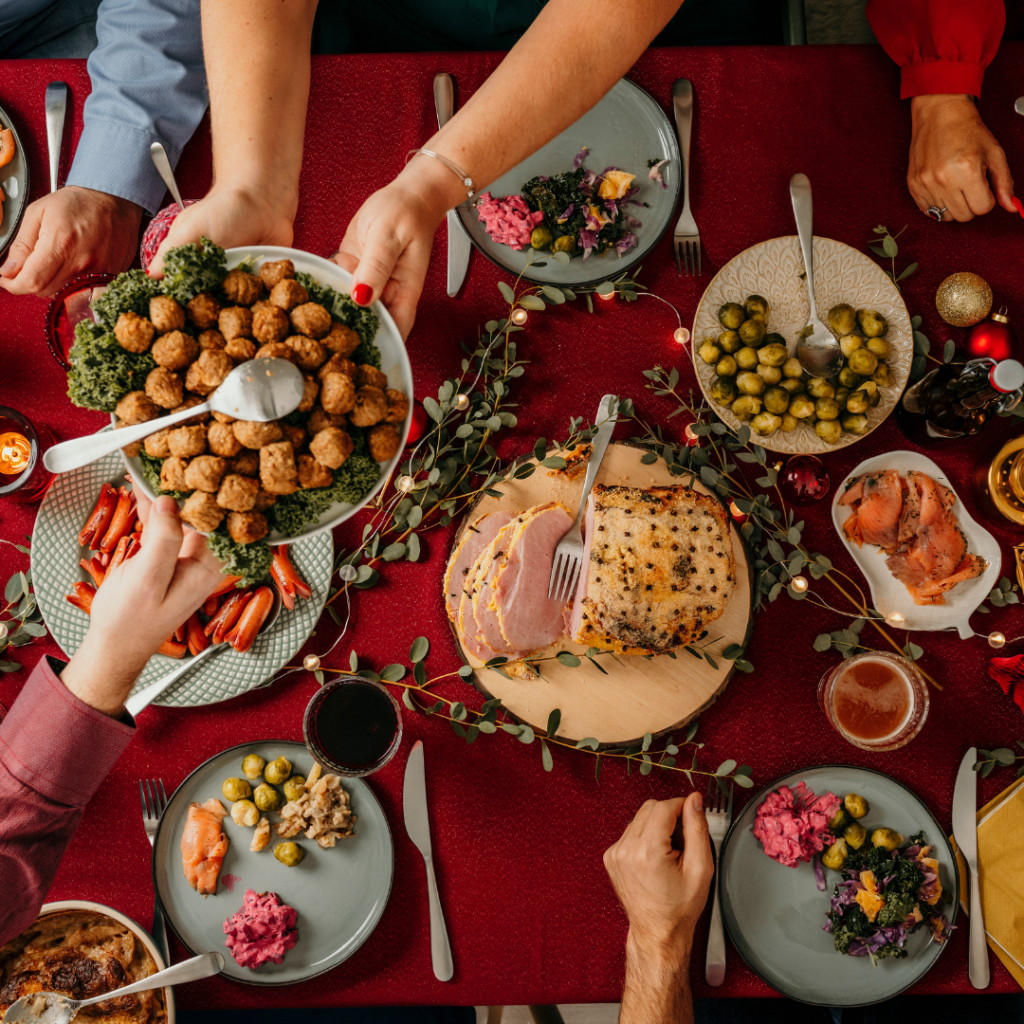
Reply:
x=923, y=351
x=1003, y=757
x=21, y=621
x=884, y=245
x=1004, y=593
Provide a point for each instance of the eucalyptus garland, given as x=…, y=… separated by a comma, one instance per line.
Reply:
x=21, y=621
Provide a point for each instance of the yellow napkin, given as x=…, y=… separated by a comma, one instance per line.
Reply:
x=1001, y=868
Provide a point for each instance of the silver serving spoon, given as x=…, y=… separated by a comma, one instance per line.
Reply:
x=163, y=166
x=53, y=1008
x=819, y=352
x=259, y=390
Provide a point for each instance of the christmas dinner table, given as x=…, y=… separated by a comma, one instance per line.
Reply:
x=518, y=850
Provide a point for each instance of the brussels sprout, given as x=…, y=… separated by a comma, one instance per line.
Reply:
x=858, y=402
x=773, y=355
x=855, y=423
x=792, y=367
x=749, y=383
x=731, y=315
x=723, y=390
x=746, y=407
x=294, y=787
x=746, y=358
x=839, y=820
x=794, y=385
x=801, y=406
x=756, y=307
x=826, y=409
x=789, y=422
x=277, y=771
x=835, y=856
x=774, y=339
x=882, y=376
x=765, y=424
x=726, y=367
x=752, y=332
x=776, y=400
x=849, y=344
x=879, y=346
x=564, y=243
x=886, y=838
x=236, y=789
x=769, y=374
x=871, y=323
x=830, y=431
x=289, y=854
x=243, y=812
x=710, y=352
x=541, y=237
x=863, y=362
x=843, y=319
x=819, y=387
x=847, y=378
x=841, y=395
x=730, y=341
x=266, y=797
x=253, y=765
x=856, y=806
x=855, y=835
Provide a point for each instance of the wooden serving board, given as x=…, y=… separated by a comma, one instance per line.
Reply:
x=638, y=695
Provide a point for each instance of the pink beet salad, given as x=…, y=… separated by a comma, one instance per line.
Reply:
x=509, y=220
x=264, y=929
x=792, y=824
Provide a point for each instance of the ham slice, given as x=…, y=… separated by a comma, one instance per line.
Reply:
x=478, y=536
x=484, y=616
x=576, y=617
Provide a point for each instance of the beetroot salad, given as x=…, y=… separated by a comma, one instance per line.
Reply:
x=264, y=929
x=793, y=824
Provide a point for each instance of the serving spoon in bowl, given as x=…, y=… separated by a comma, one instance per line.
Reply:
x=258, y=391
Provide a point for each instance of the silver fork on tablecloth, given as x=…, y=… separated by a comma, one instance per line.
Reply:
x=686, y=237
x=718, y=811
x=154, y=803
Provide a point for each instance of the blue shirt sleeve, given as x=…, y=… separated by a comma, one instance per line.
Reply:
x=148, y=85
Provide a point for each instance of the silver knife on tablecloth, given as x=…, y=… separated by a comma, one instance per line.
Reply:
x=965, y=832
x=459, y=245
x=417, y=824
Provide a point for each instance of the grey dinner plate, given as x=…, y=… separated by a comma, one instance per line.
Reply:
x=339, y=893
x=15, y=179
x=774, y=914
x=626, y=129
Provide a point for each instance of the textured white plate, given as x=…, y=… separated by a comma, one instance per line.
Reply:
x=887, y=593
x=841, y=274
x=15, y=179
x=393, y=361
x=55, y=555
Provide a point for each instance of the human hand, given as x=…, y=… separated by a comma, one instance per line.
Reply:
x=67, y=233
x=951, y=152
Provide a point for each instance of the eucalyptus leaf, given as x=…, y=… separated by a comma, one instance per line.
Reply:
x=532, y=302
x=506, y=292
x=554, y=720
x=545, y=757
x=419, y=650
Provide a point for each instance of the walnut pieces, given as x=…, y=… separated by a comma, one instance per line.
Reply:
x=370, y=407
x=175, y=350
x=165, y=314
x=202, y=512
x=323, y=812
x=137, y=407
x=134, y=333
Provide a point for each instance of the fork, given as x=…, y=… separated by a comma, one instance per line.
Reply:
x=565, y=568
x=718, y=811
x=154, y=803
x=686, y=237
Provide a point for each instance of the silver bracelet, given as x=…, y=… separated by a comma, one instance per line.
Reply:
x=450, y=164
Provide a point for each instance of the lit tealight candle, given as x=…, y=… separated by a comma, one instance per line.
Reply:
x=896, y=620
x=311, y=662
x=681, y=335
x=405, y=483
x=996, y=640
x=799, y=584
x=519, y=316
x=462, y=402
x=15, y=453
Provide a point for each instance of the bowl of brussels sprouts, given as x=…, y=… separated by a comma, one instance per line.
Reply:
x=747, y=327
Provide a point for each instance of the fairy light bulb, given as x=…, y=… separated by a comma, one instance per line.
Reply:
x=462, y=402
x=519, y=316
x=681, y=335
x=3, y=630
x=996, y=640
x=799, y=584
x=896, y=620
x=310, y=662
x=405, y=484
x=692, y=438
x=607, y=298
x=348, y=572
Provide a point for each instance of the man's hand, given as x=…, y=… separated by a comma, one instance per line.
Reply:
x=70, y=232
x=951, y=152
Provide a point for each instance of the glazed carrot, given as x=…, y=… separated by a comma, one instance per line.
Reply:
x=227, y=584
x=94, y=568
x=196, y=639
x=6, y=147
x=120, y=554
x=179, y=634
x=82, y=596
x=283, y=583
x=210, y=606
x=172, y=649
x=121, y=522
x=296, y=584
x=98, y=521
x=220, y=625
x=243, y=636
x=138, y=526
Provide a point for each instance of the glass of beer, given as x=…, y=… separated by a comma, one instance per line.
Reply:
x=876, y=701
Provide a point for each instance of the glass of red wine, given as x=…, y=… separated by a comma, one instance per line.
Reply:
x=352, y=726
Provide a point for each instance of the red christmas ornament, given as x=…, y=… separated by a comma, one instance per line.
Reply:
x=418, y=424
x=992, y=338
x=804, y=480
x=1009, y=674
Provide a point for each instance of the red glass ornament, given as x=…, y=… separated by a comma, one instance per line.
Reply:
x=419, y=423
x=992, y=338
x=804, y=480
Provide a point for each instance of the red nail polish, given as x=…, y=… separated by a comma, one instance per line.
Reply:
x=1016, y=202
x=363, y=294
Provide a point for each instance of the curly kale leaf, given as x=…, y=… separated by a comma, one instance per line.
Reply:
x=102, y=372
x=192, y=269
x=128, y=292
x=250, y=561
x=843, y=936
x=896, y=910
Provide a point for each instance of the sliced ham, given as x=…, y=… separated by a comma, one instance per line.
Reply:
x=576, y=617
x=478, y=535
x=484, y=615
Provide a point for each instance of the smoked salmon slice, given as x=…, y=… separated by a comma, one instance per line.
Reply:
x=880, y=507
x=204, y=845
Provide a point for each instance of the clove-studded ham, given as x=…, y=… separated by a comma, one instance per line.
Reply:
x=482, y=618
x=478, y=535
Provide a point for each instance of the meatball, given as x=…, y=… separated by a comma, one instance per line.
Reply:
x=313, y=474
x=175, y=350
x=190, y=402
x=337, y=393
x=165, y=314
x=264, y=499
x=384, y=442
x=235, y=322
x=222, y=441
x=309, y=354
x=204, y=473
x=294, y=435
x=276, y=271
x=398, y=406
x=278, y=473
x=310, y=389
x=276, y=350
x=270, y=324
x=320, y=419
x=370, y=407
x=133, y=449
x=338, y=364
x=223, y=417
x=238, y=493
x=245, y=463
x=214, y=365
x=212, y=339
x=342, y=340
x=331, y=447
x=202, y=512
x=203, y=311
x=288, y=294
x=133, y=332
x=164, y=387
x=263, y=304
x=247, y=527
x=137, y=407
x=370, y=377
x=172, y=474
x=256, y=435
x=187, y=441
x=311, y=319
x=194, y=378
x=156, y=444
x=241, y=287
x=241, y=349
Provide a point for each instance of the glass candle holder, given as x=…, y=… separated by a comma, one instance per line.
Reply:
x=70, y=305
x=876, y=701
x=22, y=473
x=352, y=726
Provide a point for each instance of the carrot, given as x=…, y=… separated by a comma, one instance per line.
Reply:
x=94, y=568
x=227, y=584
x=179, y=634
x=282, y=565
x=243, y=636
x=210, y=606
x=119, y=555
x=219, y=626
x=104, y=557
x=121, y=522
x=196, y=639
x=98, y=521
x=283, y=583
x=138, y=526
x=82, y=596
x=6, y=147
x=172, y=649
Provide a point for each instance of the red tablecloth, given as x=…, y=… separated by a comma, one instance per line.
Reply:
x=531, y=914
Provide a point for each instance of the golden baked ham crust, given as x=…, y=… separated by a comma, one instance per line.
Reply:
x=660, y=569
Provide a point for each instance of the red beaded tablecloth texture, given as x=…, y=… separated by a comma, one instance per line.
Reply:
x=531, y=914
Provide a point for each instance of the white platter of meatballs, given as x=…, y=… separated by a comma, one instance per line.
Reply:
x=233, y=470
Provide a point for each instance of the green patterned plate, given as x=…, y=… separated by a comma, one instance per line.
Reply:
x=55, y=555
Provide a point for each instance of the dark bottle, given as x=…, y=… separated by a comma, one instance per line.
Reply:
x=958, y=399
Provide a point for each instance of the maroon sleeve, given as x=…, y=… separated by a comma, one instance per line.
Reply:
x=55, y=753
x=941, y=46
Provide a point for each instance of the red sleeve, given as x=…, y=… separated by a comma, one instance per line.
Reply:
x=55, y=752
x=940, y=45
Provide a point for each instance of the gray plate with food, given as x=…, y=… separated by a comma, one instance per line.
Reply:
x=14, y=179
x=775, y=914
x=338, y=893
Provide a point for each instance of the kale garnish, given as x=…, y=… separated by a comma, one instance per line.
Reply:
x=102, y=372
x=190, y=270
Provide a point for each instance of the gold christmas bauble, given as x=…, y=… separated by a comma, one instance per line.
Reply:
x=963, y=299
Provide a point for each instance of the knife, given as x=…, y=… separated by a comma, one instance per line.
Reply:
x=417, y=824
x=459, y=245
x=56, y=103
x=965, y=831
